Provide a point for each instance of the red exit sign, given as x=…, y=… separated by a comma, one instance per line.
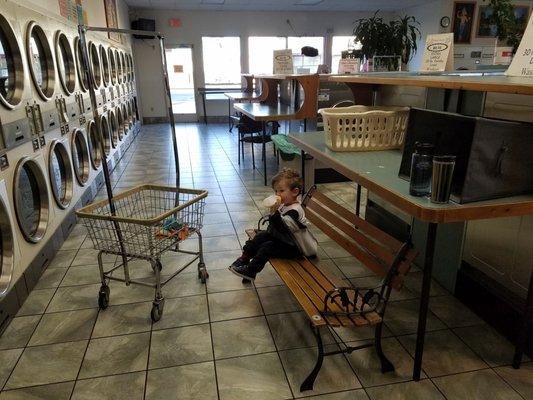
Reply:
x=174, y=22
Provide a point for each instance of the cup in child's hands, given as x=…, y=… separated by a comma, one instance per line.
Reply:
x=271, y=201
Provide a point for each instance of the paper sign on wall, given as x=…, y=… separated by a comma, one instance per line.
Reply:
x=438, y=53
x=349, y=66
x=503, y=55
x=283, y=62
x=522, y=64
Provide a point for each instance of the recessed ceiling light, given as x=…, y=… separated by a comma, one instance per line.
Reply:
x=307, y=2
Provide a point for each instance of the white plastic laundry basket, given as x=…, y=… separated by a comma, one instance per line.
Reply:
x=364, y=128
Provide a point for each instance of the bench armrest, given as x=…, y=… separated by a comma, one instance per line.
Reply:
x=354, y=301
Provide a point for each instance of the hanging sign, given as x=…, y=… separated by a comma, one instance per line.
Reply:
x=283, y=62
x=349, y=66
x=522, y=64
x=438, y=53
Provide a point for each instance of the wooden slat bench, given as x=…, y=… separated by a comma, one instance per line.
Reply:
x=328, y=301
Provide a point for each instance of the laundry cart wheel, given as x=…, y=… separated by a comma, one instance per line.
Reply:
x=157, y=310
x=103, y=297
x=202, y=273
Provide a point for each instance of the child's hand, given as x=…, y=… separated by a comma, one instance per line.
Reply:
x=275, y=207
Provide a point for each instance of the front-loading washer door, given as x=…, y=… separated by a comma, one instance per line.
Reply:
x=31, y=199
x=80, y=156
x=7, y=253
x=60, y=173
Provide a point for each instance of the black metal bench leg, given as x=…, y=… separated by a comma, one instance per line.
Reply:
x=242, y=149
x=239, y=143
x=253, y=152
x=310, y=380
x=386, y=365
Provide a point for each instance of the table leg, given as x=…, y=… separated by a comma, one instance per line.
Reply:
x=302, y=153
x=263, y=137
x=229, y=114
x=205, y=113
x=424, y=299
x=527, y=319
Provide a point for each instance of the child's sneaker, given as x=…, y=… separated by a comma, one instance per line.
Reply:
x=242, y=270
x=239, y=262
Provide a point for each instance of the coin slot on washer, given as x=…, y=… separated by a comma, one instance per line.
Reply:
x=60, y=174
x=65, y=63
x=80, y=157
x=94, y=145
x=11, y=69
x=40, y=60
x=31, y=200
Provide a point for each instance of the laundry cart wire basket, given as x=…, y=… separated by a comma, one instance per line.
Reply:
x=152, y=219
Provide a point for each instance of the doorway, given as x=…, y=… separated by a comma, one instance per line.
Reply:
x=181, y=82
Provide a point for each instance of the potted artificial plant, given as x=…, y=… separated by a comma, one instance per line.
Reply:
x=509, y=29
x=398, y=37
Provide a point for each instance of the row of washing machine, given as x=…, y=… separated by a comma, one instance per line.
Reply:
x=50, y=158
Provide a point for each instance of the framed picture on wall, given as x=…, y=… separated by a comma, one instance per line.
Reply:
x=463, y=19
x=521, y=14
x=485, y=27
x=110, y=7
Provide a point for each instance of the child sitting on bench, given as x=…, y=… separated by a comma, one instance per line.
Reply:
x=287, y=235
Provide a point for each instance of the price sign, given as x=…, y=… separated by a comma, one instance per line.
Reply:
x=522, y=64
x=283, y=62
x=349, y=66
x=438, y=53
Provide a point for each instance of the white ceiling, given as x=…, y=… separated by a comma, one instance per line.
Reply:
x=275, y=5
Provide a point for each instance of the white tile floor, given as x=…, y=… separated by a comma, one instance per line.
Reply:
x=226, y=340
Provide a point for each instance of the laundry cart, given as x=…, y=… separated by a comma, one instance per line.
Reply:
x=148, y=220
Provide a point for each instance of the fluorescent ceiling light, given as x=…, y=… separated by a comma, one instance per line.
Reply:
x=212, y=1
x=307, y=2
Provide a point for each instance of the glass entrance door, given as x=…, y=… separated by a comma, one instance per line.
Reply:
x=181, y=81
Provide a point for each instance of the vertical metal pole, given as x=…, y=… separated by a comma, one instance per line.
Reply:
x=424, y=298
x=92, y=88
x=170, y=112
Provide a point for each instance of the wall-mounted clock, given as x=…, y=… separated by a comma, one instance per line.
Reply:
x=445, y=22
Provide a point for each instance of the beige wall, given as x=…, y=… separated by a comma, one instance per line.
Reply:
x=94, y=10
x=430, y=14
x=196, y=24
